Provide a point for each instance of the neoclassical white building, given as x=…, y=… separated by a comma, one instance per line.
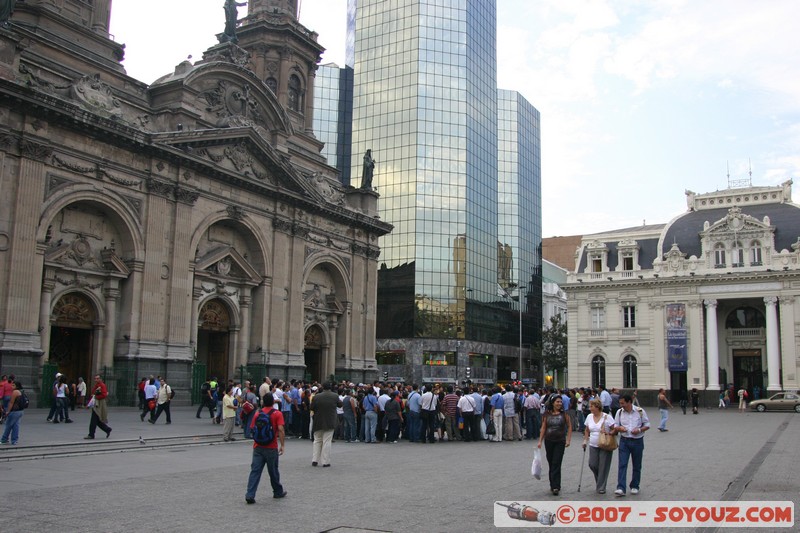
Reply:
x=707, y=300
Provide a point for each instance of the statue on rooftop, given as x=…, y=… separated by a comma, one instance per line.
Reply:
x=231, y=17
x=6, y=9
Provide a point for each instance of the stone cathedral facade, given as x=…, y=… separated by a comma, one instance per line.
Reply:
x=191, y=223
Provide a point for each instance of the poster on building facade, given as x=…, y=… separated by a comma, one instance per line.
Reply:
x=676, y=338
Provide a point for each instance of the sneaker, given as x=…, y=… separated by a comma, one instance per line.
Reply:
x=313, y=463
x=250, y=501
x=68, y=421
x=634, y=491
x=281, y=495
x=601, y=491
x=619, y=492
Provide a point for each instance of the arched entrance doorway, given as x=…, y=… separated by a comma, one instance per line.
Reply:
x=213, y=338
x=72, y=336
x=312, y=352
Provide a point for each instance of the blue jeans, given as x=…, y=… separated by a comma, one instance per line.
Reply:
x=664, y=417
x=413, y=425
x=12, y=427
x=350, y=428
x=262, y=457
x=370, y=425
x=630, y=448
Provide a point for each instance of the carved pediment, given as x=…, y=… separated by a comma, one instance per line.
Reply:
x=78, y=253
x=238, y=158
x=240, y=152
x=736, y=222
x=674, y=259
x=225, y=262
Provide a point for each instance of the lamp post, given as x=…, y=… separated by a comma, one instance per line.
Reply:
x=519, y=300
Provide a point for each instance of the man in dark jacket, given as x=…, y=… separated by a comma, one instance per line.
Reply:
x=324, y=406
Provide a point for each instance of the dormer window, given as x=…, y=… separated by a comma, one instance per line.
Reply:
x=597, y=264
x=755, y=253
x=627, y=257
x=719, y=255
x=737, y=255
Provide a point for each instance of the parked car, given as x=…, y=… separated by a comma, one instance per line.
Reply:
x=782, y=401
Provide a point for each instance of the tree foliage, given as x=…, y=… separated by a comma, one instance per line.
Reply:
x=554, y=344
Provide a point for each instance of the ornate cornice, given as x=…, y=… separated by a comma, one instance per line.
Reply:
x=186, y=196
x=235, y=212
x=159, y=188
x=34, y=150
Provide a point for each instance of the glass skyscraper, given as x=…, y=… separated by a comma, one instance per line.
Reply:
x=333, y=115
x=463, y=200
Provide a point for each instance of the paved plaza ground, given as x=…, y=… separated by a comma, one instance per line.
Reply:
x=121, y=485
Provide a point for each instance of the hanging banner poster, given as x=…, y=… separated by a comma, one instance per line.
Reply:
x=677, y=354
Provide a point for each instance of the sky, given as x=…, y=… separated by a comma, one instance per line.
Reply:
x=640, y=100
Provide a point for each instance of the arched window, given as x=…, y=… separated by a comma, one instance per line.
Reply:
x=737, y=253
x=295, y=93
x=755, y=253
x=598, y=371
x=745, y=317
x=630, y=378
x=719, y=255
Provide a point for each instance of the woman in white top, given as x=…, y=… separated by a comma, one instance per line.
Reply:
x=599, y=460
x=62, y=411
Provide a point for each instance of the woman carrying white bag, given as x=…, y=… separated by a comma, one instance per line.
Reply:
x=599, y=434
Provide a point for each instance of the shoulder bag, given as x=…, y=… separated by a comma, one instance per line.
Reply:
x=607, y=441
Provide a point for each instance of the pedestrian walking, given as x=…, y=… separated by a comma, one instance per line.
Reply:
x=324, y=406
x=266, y=454
x=695, y=401
x=163, y=400
x=630, y=423
x=556, y=433
x=99, y=409
x=228, y=414
x=599, y=460
x=742, y=394
x=13, y=414
x=150, y=393
x=664, y=406
x=81, y=394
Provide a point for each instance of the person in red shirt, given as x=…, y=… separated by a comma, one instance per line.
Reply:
x=99, y=409
x=267, y=454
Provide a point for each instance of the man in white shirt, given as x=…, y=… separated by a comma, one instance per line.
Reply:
x=466, y=404
x=429, y=408
x=630, y=423
x=150, y=392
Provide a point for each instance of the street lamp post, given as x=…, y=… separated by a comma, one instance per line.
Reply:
x=519, y=299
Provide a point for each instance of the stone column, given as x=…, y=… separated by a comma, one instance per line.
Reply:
x=196, y=295
x=712, y=345
x=694, y=316
x=283, y=77
x=330, y=358
x=308, y=100
x=788, y=346
x=24, y=264
x=773, y=345
x=660, y=369
x=45, y=310
x=244, y=333
x=110, y=333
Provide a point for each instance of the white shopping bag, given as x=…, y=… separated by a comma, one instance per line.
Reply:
x=536, y=466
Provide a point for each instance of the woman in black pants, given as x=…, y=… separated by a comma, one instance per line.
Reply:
x=556, y=434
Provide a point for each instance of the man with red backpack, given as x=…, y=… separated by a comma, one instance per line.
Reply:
x=268, y=433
